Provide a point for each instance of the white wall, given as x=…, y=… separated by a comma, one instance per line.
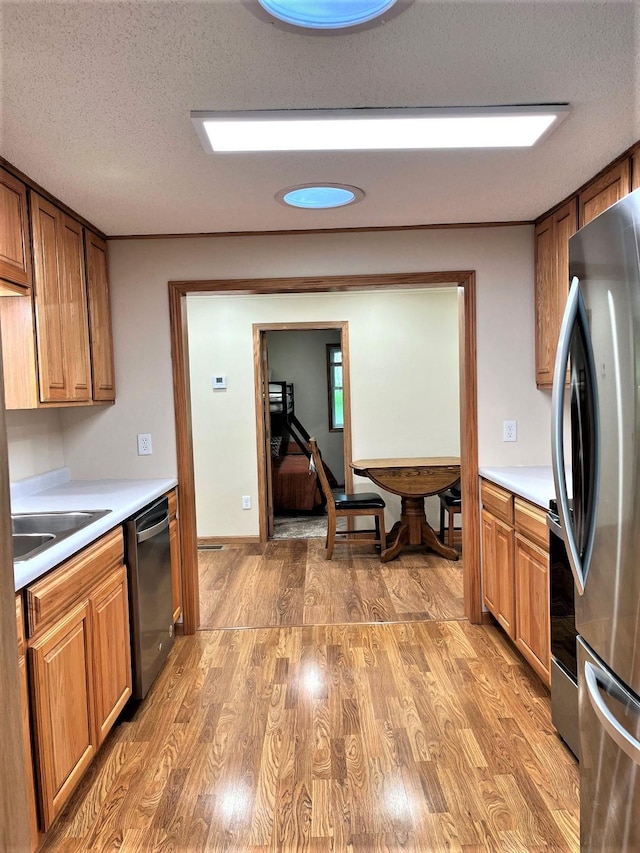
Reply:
x=404, y=386
x=35, y=442
x=103, y=443
x=300, y=357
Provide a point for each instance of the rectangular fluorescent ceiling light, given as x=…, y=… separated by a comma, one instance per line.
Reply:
x=377, y=130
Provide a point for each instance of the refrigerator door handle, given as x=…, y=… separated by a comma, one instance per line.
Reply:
x=596, y=679
x=557, y=433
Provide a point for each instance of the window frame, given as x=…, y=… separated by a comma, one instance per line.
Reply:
x=331, y=386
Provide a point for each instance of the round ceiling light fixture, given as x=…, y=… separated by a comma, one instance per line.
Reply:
x=326, y=16
x=320, y=196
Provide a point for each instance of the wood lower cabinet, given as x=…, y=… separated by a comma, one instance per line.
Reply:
x=515, y=572
x=551, y=285
x=532, y=605
x=604, y=191
x=111, y=650
x=79, y=665
x=498, y=577
x=62, y=690
x=15, y=246
x=174, y=543
x=26, y=726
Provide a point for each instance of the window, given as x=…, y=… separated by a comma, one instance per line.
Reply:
x=334, y=376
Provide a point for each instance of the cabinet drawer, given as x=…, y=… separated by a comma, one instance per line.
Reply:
x=498, y=501
x=53, y=595
x=531, y=522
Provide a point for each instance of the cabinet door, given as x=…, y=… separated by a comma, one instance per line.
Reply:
x=635, y=169
x=552, y=285
x=605, y=191
x=15, y=250
x=532, y=605
x=497, y=570
x=111, y=650
x=103, y=372
x=26, y=727
x=76, y=320
x=62, y=331
x=176, y=574
x=62, y=692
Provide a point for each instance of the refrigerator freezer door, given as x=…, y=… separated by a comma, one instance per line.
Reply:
x=609, y=756
x=605, y=257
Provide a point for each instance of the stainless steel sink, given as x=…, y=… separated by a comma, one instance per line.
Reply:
x=34, y=532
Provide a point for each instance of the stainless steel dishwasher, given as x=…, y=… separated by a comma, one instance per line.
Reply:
x=150, y=601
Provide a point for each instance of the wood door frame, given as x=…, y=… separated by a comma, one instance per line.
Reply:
x=465, y=280
x=260, y=329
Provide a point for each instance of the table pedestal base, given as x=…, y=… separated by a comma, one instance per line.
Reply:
x=414, y=529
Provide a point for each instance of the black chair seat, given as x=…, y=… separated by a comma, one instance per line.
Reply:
x=362, y=500
x=451, y=498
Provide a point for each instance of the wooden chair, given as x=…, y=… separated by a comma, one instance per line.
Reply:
x=342, y=505
x=451, y=503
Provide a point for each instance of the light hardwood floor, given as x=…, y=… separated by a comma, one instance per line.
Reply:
x=409, y=737
x=416, y=732
x=289, y=582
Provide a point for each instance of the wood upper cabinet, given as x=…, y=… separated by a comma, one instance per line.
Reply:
x=57, y=343
x=15, y=247
x=551, y=285
x=101, y=340
x=635, y=169
x=62, y=326
x=606, y=190
x=80, y=666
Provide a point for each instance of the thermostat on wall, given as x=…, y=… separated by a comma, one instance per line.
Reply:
x=218, y=382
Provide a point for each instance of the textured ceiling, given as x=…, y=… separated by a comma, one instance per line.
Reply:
x=96, y=99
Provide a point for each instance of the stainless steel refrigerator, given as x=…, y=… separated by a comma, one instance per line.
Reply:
x=597, y=391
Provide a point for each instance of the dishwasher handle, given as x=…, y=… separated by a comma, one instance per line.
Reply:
x=149, y=532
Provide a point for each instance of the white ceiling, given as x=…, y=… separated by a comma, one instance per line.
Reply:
x=96, y=98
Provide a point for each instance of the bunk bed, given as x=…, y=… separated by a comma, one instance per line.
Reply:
x=295, y=485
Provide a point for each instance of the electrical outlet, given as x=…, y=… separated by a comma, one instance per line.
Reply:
x=246, y=502
x=144, y=444
x=509, y=431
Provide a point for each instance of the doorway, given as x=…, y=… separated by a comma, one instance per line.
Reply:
x=302, y=381
x=465, y=283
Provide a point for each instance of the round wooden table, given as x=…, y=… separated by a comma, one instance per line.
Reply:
x=413, y=479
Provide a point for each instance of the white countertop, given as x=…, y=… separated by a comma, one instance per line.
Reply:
x=533, y=483
x=55, y=491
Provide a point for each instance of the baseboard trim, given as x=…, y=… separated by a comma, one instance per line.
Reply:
x=203, y=541
x=487, y=618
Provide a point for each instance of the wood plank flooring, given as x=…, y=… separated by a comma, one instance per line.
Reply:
x=289, y=582
x=415, y=737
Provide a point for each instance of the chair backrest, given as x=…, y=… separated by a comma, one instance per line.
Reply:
x=319, y=466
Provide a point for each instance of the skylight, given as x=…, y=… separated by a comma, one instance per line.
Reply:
x=320, y=196
x=326, y=14
x=377, y=129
